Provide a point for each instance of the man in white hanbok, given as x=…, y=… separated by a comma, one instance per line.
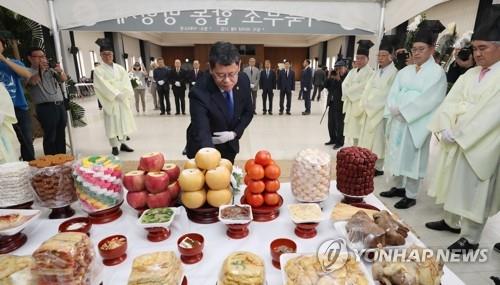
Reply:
x=373, y=101
x=7, y=119
x=466, y=177
x=416, y=93
x=352, y=89
x=114, y=90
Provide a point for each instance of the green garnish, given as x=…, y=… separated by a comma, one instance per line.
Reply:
x=159, y=215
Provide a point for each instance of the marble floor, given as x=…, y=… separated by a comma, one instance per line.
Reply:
x=283, y=136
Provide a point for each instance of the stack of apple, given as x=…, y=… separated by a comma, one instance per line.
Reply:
x=154, y=184
x=262, y=180
x=206, y=179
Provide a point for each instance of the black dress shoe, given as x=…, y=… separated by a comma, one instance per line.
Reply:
x=162, y=114
x=378, y=172
x=255, y=113
x=329, y=143
x=405, y=203
x=462, y=246
x=337, y=146
x=177, y=114
x=394, y=192
x=127, y=138
x=270, y=113
x=288, y=113
x=115, y=151
x=280, y=113
x=306, y=113
x=496, y=280
x=125, y=148
x=441, y=226
x=168, y=113
x=496, y=247
x=184, y=113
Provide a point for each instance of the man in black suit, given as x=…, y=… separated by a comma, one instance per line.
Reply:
x=161, y=75
x=335, y=104
x=267, y=83
x=178, y=80
x=194, y=74
x=305, y=86
x=286, y=84
x=220, y=104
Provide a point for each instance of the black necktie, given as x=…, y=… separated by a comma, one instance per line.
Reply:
x=229, y=103
x=251, y=71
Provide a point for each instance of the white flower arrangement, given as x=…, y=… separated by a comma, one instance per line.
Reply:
x=134, y=80
x=412, y=27
x=237, y=179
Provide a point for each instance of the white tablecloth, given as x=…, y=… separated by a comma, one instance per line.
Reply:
x=217, y=244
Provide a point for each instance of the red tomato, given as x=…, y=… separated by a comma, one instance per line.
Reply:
x=263, y=157
x=255, y=200
x=247, y=179
x=256, y=186
x=272, y=171
x=249, y=163
x=271, y=199
x=255, y=172
x=272, y=185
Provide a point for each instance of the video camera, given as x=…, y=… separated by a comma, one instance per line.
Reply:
x=465, y=53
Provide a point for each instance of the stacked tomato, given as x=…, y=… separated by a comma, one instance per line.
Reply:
x=262, y=180
x=355, y=171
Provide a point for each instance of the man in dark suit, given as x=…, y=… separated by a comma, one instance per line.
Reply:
x=305, y=86
x=220, y=104
x=286, y=84
x=194, y=74
x=267, y=83
x=335, y=104
x=319, y=79
x=178, y=80
x=161, y=75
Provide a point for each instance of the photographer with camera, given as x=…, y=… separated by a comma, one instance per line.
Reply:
x=46, y=94
x=463, y=62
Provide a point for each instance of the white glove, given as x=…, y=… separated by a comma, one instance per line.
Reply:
x=447, y=136
x=2, y=118
x=252, y=85
x=223, y=137
x=161, y=82
x=177, y=83
x=305, y=89
x=193, y=83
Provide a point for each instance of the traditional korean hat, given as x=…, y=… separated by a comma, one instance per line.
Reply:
x=489, y=29
x=389, y=43
x=104, y=44
x=364, y=47
x=428, y=31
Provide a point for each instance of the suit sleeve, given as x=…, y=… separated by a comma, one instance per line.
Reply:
x=279, y=79
x=245, y=117
x=292, y=77
x=260, y=81
x=200, y=120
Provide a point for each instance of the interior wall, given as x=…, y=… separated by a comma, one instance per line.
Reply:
x=132, y=48
x=334, y=46
x=85, y=41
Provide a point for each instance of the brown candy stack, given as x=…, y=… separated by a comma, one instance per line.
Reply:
x=355, y=171
x=52, y=180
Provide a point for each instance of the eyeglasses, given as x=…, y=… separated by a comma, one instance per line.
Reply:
x=39, y=56
x=418, y=50
x=222, y=76
x=107, y=53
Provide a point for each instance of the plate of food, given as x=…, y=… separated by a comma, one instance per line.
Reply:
x=305, y=213
x=306, y=268
x=235, y=214
x=158, y=217
x=13, y=221
x=380, y=230
x=343, y=211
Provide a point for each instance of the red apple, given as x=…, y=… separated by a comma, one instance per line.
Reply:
x=159, y=200
x=156, y=181
x=152, y=161
x=134, y=180
x=137, y=200
x=172, y=170
x=174, y=189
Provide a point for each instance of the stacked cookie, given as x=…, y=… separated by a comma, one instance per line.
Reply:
x=15, y=187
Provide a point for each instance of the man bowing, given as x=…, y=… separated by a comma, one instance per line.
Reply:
x=466, y=180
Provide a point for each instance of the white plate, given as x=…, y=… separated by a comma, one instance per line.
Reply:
x=284, y=258
x=298, y=220
x=155, y=225
x=12, y=231
x=341, y=227
x=229, y=221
